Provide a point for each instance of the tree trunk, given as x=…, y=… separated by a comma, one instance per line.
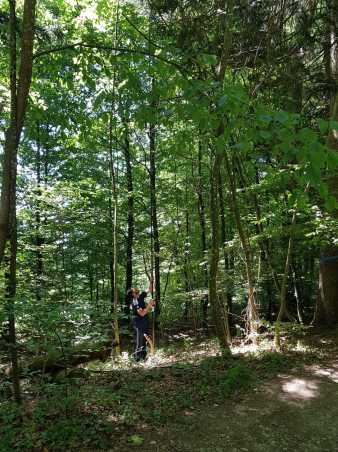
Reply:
x=19, y=98
x=297, y=294
x=252, y=312
x=228, y=297
x=8, y=226
x=153, y=208
x=38, y=237
x=189, y=285
x=327, y=301
x=264, y=243
x=218, y=309
x=10, y=298
x=283, y=308
x=222, y=44
x=130, y=215
x=59, y=360
x=201, y=217
x=113, y=220
x=12, y=232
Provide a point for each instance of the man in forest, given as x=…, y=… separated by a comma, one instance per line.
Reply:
x=140, y=320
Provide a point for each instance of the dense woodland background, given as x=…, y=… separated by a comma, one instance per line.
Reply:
x=192, y=141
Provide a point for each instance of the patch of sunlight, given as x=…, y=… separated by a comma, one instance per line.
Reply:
x=180, y=336
x=157, y=359
x=301, y=347
x=300, y=389
x=251, y=348
x=329, y=372
x=160, y=358
x=112, y=418
x=79, y=339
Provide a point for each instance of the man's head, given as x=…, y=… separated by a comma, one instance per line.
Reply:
x=135, y=292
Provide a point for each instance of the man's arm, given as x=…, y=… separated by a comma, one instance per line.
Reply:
x=144, y=311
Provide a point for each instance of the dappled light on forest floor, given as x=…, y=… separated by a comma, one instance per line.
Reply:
x=297, y=407
x=299, y=389
x=184, y=348
x=187, y=383
x=189, y=352
x=330, y=372
x=300, y=386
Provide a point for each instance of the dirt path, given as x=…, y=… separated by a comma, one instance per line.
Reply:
x=297, y=411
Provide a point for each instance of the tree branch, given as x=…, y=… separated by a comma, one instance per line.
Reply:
x=122, y=50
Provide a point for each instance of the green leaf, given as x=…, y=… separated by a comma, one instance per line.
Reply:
x=331, y=203
x=136, y=440
x=332, y=159
x=222, y=101
x=307, y=135
x=333, y=125
x=208, y=59
x=265, y=135
x=323, y=126
x=282, y=117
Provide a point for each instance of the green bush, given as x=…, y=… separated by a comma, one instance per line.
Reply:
x=237, y=377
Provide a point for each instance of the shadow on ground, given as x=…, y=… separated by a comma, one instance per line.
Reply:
x=296, y=411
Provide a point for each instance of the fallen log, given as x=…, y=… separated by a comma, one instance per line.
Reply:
x=59, y=360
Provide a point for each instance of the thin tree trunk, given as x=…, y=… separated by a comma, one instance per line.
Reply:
x=215, y=301
x=264, y=244
x=187, y=264
x=97, y=292
x=113, y=219
x=130, y=215
x=10, y=298
x=252, y=312
x=113, y=207
x=153, y=103
x=201, y=217
x=90, y=281
x=297, y=295
x=228, y=297
x=154, y=221
x=39, y=238
x=283, y=308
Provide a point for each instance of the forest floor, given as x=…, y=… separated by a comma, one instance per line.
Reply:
x=295, y=411
x=187, y=397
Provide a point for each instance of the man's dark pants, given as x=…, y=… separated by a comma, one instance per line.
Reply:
x=140, y=329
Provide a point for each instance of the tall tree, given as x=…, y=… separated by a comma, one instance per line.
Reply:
x=222, y=45
x=327, y=301
x=130, y=206
x=19, y=98
x=202, y=223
